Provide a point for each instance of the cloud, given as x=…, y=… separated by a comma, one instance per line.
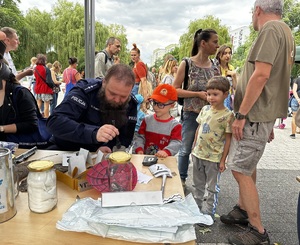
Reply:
x=153, y=24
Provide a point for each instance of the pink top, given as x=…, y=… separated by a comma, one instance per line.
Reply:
x=69, y=75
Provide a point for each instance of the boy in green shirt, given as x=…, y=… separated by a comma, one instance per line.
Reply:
x=211, y=144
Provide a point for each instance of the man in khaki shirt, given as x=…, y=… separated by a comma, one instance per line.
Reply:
x=261, y=97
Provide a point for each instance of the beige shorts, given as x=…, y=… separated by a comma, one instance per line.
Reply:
x=245, y=154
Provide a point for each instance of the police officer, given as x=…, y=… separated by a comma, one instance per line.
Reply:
x=96, y=113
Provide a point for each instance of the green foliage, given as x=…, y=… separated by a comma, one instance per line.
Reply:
x=175, y=53
x=67, y=31
x=36, y=36
x=159, y=63
x=209, y=22
x=291, y=13
x=58, y=33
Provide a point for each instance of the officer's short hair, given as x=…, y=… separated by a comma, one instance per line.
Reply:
x=122, y=73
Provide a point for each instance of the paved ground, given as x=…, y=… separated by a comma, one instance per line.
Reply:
x=278, y=191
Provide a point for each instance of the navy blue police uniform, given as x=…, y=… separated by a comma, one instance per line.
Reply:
x=76, y=120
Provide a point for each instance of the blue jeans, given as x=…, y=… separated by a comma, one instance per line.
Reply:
x=53, y=102
x=189, y=126
x=294, y=104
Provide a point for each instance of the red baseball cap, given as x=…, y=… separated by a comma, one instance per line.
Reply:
x=163, y=93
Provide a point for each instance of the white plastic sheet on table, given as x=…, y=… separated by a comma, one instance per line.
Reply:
x=166, y=223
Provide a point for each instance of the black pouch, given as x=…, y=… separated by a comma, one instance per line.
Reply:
x=149, y=160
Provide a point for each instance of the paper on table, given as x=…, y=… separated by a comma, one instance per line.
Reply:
x=143, y=178
x=87, y=155
x=79, y=162
x=66, y=158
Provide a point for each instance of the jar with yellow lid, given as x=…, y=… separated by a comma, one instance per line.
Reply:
x=120, y=171
x=41, y=187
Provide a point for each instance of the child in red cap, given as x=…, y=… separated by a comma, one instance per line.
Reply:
x=160, y=133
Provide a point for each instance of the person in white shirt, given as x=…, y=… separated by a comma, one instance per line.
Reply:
x=12, y=42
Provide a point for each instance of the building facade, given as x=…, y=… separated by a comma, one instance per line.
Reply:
x=160, y=53
x=239, y=36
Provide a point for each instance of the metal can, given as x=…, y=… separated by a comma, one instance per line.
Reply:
x=42, y=191
x=7, y=195
x=120, y=171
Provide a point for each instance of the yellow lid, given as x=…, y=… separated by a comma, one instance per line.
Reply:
x=119, y=157
x=39, y=166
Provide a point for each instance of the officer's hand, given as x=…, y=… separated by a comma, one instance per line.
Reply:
x=106, y=133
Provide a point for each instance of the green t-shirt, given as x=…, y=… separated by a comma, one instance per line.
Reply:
x=274, y=45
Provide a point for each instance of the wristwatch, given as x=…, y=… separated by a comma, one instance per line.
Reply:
x=1, y=129
x=239, y=116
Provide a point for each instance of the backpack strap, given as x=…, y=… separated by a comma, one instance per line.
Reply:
x=40, y=74
x=106, y=56
x=186, y=74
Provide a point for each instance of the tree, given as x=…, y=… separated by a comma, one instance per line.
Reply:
x=209, y=22
x=10, y=14
x=37, y=36
x=12, y=17
x=67, y=31
x=175, y=53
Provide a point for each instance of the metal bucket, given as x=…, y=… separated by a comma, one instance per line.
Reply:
x=7, y=191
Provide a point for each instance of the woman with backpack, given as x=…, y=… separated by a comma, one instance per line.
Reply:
x=44, y=93
x=201, y=69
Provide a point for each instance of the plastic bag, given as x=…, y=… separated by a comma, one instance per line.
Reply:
x=167, y=223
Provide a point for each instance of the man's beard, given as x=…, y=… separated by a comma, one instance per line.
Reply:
x=110, y=105
x=111, y=112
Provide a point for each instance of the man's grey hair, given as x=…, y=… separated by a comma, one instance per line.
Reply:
x=270, y=6
x=111, y=40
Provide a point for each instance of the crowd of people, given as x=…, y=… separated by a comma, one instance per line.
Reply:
x=226, y=118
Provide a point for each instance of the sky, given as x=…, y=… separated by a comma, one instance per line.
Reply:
x=153, y=24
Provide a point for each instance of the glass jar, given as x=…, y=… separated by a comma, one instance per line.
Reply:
x=120, y=171
x=41, y=182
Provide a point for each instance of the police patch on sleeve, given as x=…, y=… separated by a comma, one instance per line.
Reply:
x=78, y=101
